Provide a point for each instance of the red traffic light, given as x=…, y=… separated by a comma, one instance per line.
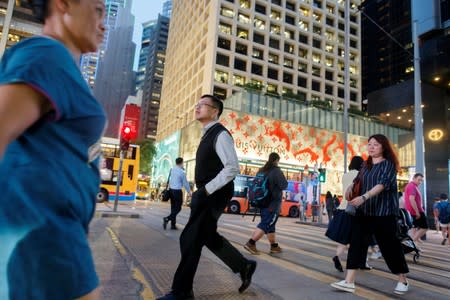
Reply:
x=127, y=133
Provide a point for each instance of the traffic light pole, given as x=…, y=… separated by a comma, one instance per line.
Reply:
x=119, y=180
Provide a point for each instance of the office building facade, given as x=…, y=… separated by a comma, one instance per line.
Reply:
x=147, y=32
x=154, y=73
x=282, y=47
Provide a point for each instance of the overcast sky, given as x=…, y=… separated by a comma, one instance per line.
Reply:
x=143, y=11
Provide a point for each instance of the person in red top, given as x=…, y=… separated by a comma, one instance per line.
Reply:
x=413, y=204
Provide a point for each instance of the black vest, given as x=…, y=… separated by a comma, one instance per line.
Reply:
x=208, y=164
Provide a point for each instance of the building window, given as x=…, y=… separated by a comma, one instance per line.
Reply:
x=242, y=33
x=272, y=73
x=329, y=21
x=273, y=58
x=303, y=11
x=329, y=48
x=329, y=35
x=275, y=29
x=224, y=43
x=287, y=77
x=222, y=60
x=288, y=48
x=221, y=76
x=303, y=25
x=317, y=17
x=302, y=53
x=258, y=53
x=340, y=93
x=328, y=89
x=244, y=19
x=302, y=67
x=317, y=30
x=353, y=31
x=274, y=43
x=341, y=26
x=238, y=80
x=328, y=75
x=259, y=24
x=330, y=9
x=226, y=12
x=315, y=86
x=329, y=61
x=317, y=44
x=241, y=48
x=352, y=96
x=316, y=57
x=290, y=6
x=289, y=20
x=276, y=15
x=225, y=28
x=315, y=71
x=257, y=69
x=240, y=64
x=303, y=38
x=244, y=3
x=317, y=3
x=277, y=2
x=289, y=34
x=220, y=93
x=353, y=44
x=260, y=9
x=301, y=81
x=258, y=38
x=272, y=88
x=288, y=63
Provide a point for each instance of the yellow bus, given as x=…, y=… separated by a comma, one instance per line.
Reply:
x=109, y=166
x=143, y=188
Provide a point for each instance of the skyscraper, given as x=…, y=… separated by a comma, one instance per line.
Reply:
x=281, y=47
x=147, y=32
x=167, y=9
x=154, y=73
x=89, y=62
x=115, y=78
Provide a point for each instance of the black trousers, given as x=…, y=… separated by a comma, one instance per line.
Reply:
x=176, y=200
x=201, y=230
x=384, y=229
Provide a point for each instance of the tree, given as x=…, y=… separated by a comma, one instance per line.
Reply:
x=148, y=151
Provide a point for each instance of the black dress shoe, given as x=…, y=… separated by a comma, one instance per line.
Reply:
x=337, y=264
x=246, y=275
x=165, y=221
x=174, y=227
x=177, y=296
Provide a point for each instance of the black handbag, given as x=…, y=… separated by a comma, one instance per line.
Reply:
x=165, y=194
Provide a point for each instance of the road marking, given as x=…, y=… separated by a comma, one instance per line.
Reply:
x=147, y=292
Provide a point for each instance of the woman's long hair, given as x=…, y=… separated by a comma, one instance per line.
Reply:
x=273, y=157
x=388, y=151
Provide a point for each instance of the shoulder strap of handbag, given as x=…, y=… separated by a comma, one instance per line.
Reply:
x=168, y=178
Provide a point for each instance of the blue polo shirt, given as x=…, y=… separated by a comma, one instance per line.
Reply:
x=49, y=179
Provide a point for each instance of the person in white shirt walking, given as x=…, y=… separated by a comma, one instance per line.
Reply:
x=177, y=180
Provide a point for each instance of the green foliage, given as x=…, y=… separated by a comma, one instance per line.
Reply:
x=253, y=86
x=148, y=152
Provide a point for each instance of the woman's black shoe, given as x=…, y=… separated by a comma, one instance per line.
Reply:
x=337, y=264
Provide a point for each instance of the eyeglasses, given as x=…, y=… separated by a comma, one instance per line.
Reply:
x=200, y=104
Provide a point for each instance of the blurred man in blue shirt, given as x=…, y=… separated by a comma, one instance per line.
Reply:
x=177, y=180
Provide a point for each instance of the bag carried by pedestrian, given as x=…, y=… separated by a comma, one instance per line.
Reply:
x=259, y=195
x=165, y=194
x=355, y=192
x=444, y=212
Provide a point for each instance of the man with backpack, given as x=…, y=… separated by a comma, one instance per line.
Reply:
x=443, y=214
x=269, y=182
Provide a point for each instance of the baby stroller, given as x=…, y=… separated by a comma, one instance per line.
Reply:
x=404, y=224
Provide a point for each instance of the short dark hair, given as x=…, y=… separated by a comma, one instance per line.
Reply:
x=418, y=175
x=217, y=103
x=179, y=160
x=443, y=196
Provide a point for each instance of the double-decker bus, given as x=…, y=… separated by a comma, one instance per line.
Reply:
x=239, y=204
x=109, y=167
